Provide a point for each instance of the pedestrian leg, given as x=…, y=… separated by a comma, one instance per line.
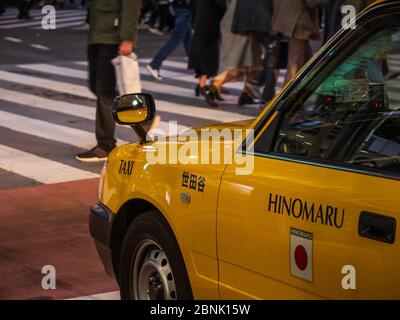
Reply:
x=104, y=87
x=299, y=52
x=182, y=25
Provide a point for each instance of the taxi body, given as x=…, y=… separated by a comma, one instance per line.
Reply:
x=316, y=216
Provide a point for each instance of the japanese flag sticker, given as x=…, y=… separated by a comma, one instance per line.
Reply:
x=301, y=254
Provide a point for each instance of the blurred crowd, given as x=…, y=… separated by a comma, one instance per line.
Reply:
x=225, y=41
x=243, y=40
x=24, y=6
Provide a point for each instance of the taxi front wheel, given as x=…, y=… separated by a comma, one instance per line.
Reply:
x=152, y=267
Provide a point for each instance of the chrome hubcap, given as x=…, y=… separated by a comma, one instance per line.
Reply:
x=152, y=274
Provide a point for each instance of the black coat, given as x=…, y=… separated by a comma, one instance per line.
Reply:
x=252, y=16
x=204, y=51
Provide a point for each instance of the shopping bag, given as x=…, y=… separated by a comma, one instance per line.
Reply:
x=128, y=74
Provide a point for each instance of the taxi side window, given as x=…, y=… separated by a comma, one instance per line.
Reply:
x=353, y=116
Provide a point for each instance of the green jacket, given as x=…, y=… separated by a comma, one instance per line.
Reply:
x=112, y=21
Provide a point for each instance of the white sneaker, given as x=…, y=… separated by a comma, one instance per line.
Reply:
x=156, y=31
x=155, y=73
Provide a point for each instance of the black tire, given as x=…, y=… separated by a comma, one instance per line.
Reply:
x=151, y=226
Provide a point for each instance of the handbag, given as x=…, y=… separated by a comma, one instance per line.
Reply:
x=127, y=74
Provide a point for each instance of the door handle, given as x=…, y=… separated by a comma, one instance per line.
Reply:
x=377, y=227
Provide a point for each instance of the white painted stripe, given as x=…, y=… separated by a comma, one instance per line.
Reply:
x=39, y=46
x=37, y=23
x=79, y=74
x=38, y=17
x=65, y=25
x=34, y=101
x=9, y=14
x=200, y=113
x=60, y=86
x=52, y=69
x=183, y=66
x=171, y=63
x=13, y=39
x=26, y=164
x=76, y=110
x=101, y=296
x=47, y=130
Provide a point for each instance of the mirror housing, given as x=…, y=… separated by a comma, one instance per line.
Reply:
x=133, y=109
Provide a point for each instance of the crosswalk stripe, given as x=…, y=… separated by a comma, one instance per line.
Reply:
x=55, y=85
x=9, y=14
x=182, y=75
x=171, y=63
x=76, y=110
x=148, y=85
x=39, y=16
x=201, y=113
x=35, y=101
x=66, y=25
x=27, y=164
x=37, y=22
x=52, y=69
x=47, y=130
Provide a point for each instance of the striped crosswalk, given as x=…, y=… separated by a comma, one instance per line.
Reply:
x=65, y=18
x=47, y=115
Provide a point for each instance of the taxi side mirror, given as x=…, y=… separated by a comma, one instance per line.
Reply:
x=133, y=109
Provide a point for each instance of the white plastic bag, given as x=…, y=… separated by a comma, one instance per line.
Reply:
x=128, y=74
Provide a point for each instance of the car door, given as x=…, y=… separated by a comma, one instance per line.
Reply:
x=316, y=218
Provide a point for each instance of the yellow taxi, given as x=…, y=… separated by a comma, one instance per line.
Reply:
x=314, y=215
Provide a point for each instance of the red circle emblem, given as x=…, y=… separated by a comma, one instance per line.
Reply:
x=301, y=258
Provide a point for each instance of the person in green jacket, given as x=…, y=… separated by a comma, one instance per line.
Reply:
x=113, y=31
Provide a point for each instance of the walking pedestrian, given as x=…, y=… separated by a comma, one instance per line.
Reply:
x=2, y=9
x=254, y=17
x=160, y=13
x=298, y=21
x=112, y=32
x=240, y=53
x=204, y=49
x=182, y=33
x=23, y=8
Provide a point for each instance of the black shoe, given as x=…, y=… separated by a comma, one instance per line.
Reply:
x=209, y=95
x=96, y=154
x=215, y=91
x=246, y=98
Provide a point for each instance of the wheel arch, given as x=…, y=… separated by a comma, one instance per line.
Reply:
x=130, y=210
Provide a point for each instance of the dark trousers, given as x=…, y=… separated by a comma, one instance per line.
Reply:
x=267, y=77
x=161, y=13
x=299, y=53
x=181, y=33
x=102, y=82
